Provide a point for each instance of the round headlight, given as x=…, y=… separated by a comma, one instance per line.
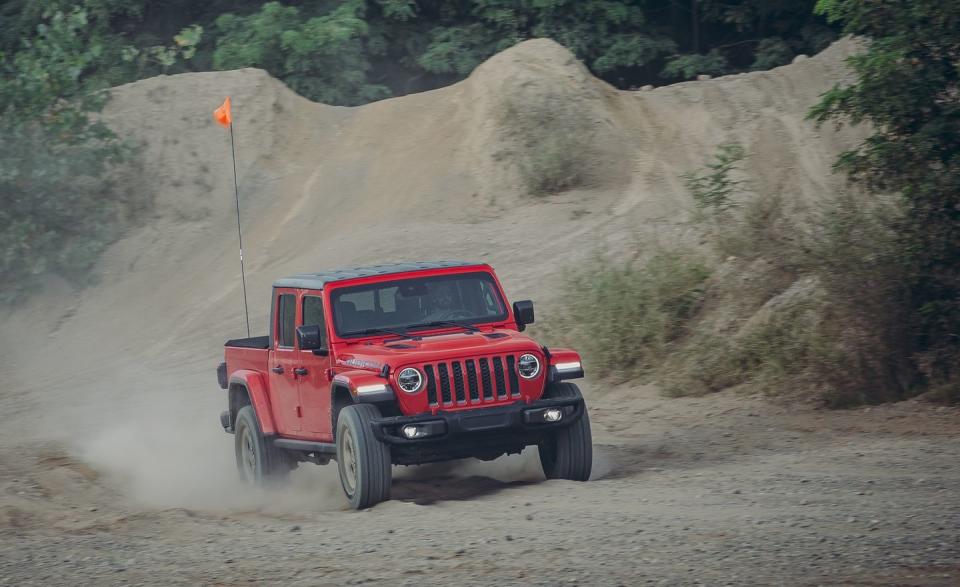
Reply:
x=410, y=380
x=528, y=366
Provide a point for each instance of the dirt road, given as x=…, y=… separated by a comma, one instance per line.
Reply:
x=721, y=490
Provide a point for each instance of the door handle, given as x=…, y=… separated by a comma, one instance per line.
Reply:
x=278, y=369
x=300, y=371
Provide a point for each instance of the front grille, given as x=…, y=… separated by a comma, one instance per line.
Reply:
x=483, y=380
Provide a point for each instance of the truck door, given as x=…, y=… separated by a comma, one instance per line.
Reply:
x=314, y=383
x=284, y=359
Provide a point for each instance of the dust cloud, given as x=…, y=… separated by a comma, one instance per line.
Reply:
x=166, y=450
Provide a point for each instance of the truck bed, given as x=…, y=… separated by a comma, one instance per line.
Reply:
x=247, y=353
x=254, y=342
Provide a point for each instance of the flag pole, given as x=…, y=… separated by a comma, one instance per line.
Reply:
x=236, y=193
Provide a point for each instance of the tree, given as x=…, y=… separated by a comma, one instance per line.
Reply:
x=52, y=155
x=324, y=58
x=727, y=36
x=906, y=88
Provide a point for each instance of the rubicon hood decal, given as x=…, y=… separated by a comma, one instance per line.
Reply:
x=359, y=363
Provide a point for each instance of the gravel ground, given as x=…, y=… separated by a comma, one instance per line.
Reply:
x=723, y=490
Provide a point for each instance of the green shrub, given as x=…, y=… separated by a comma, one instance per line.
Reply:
x=550, y=142
x=712, y=188
x=806, y=302
x=786, y=347
x=626, y=315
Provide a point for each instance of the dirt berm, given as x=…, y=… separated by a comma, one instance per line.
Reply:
x=113, y=469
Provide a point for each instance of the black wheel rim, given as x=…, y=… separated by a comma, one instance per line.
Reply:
x=248, y=454
x=348, y=458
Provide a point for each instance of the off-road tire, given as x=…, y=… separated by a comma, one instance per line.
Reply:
x=568, y=452
x=363, y=461
x=258, y=462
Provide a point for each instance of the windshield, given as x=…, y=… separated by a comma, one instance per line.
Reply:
x=464, y=298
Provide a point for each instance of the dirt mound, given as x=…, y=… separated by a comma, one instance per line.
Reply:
x=124, y=368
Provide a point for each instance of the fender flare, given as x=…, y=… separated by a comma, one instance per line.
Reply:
x=256, y=388
x=563, y=364
x=364, y=386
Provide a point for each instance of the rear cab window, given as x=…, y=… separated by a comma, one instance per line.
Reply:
x=286, y=315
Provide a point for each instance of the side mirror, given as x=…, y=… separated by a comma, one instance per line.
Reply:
x=310, y=338
x=523, y=313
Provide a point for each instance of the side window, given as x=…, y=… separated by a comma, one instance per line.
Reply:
x=286, y=316
x=313, y=314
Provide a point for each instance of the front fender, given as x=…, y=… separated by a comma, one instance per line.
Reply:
x=365, y=386
x=256, y=388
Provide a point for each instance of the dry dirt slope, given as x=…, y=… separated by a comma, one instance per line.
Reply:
x=108, y=399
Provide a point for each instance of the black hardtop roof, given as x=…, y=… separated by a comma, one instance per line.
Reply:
x=321, y=278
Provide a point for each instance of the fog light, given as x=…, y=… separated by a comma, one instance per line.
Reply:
x=552, y=415
x=411, y=431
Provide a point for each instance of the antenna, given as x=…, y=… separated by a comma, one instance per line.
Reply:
x=236, y=193
x=224, y=118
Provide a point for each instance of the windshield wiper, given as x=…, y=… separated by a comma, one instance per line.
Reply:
x=381, y=331
x=444, y=323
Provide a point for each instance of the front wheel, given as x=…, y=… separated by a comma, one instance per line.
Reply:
x=568, y=452
x=364, y=461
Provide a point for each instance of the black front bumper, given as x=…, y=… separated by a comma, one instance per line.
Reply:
x=483, y=427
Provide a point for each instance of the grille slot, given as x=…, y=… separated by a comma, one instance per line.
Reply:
x=485, y=379
x=498, y=373
x=431, y=385
x=512, y=373
x=444, y=382
x=458, y=381
x=472, y=380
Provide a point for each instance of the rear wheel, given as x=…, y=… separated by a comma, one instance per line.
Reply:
x=364, y=461
x=258, y=462
x=568, y=452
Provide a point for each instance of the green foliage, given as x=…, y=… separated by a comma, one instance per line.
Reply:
x=163, y=57
x=906, y=88
x=324, y=58
x=732, y=36
x=57, y=199
x=690, y=66
x=713, y=186
x=626, y=316
x=772, y=52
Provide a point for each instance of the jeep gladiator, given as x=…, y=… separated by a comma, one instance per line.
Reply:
x=399, y=364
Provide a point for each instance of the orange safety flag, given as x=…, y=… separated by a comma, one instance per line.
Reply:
x=222, y=114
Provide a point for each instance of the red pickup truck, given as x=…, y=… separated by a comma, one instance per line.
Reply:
x=395, y=365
